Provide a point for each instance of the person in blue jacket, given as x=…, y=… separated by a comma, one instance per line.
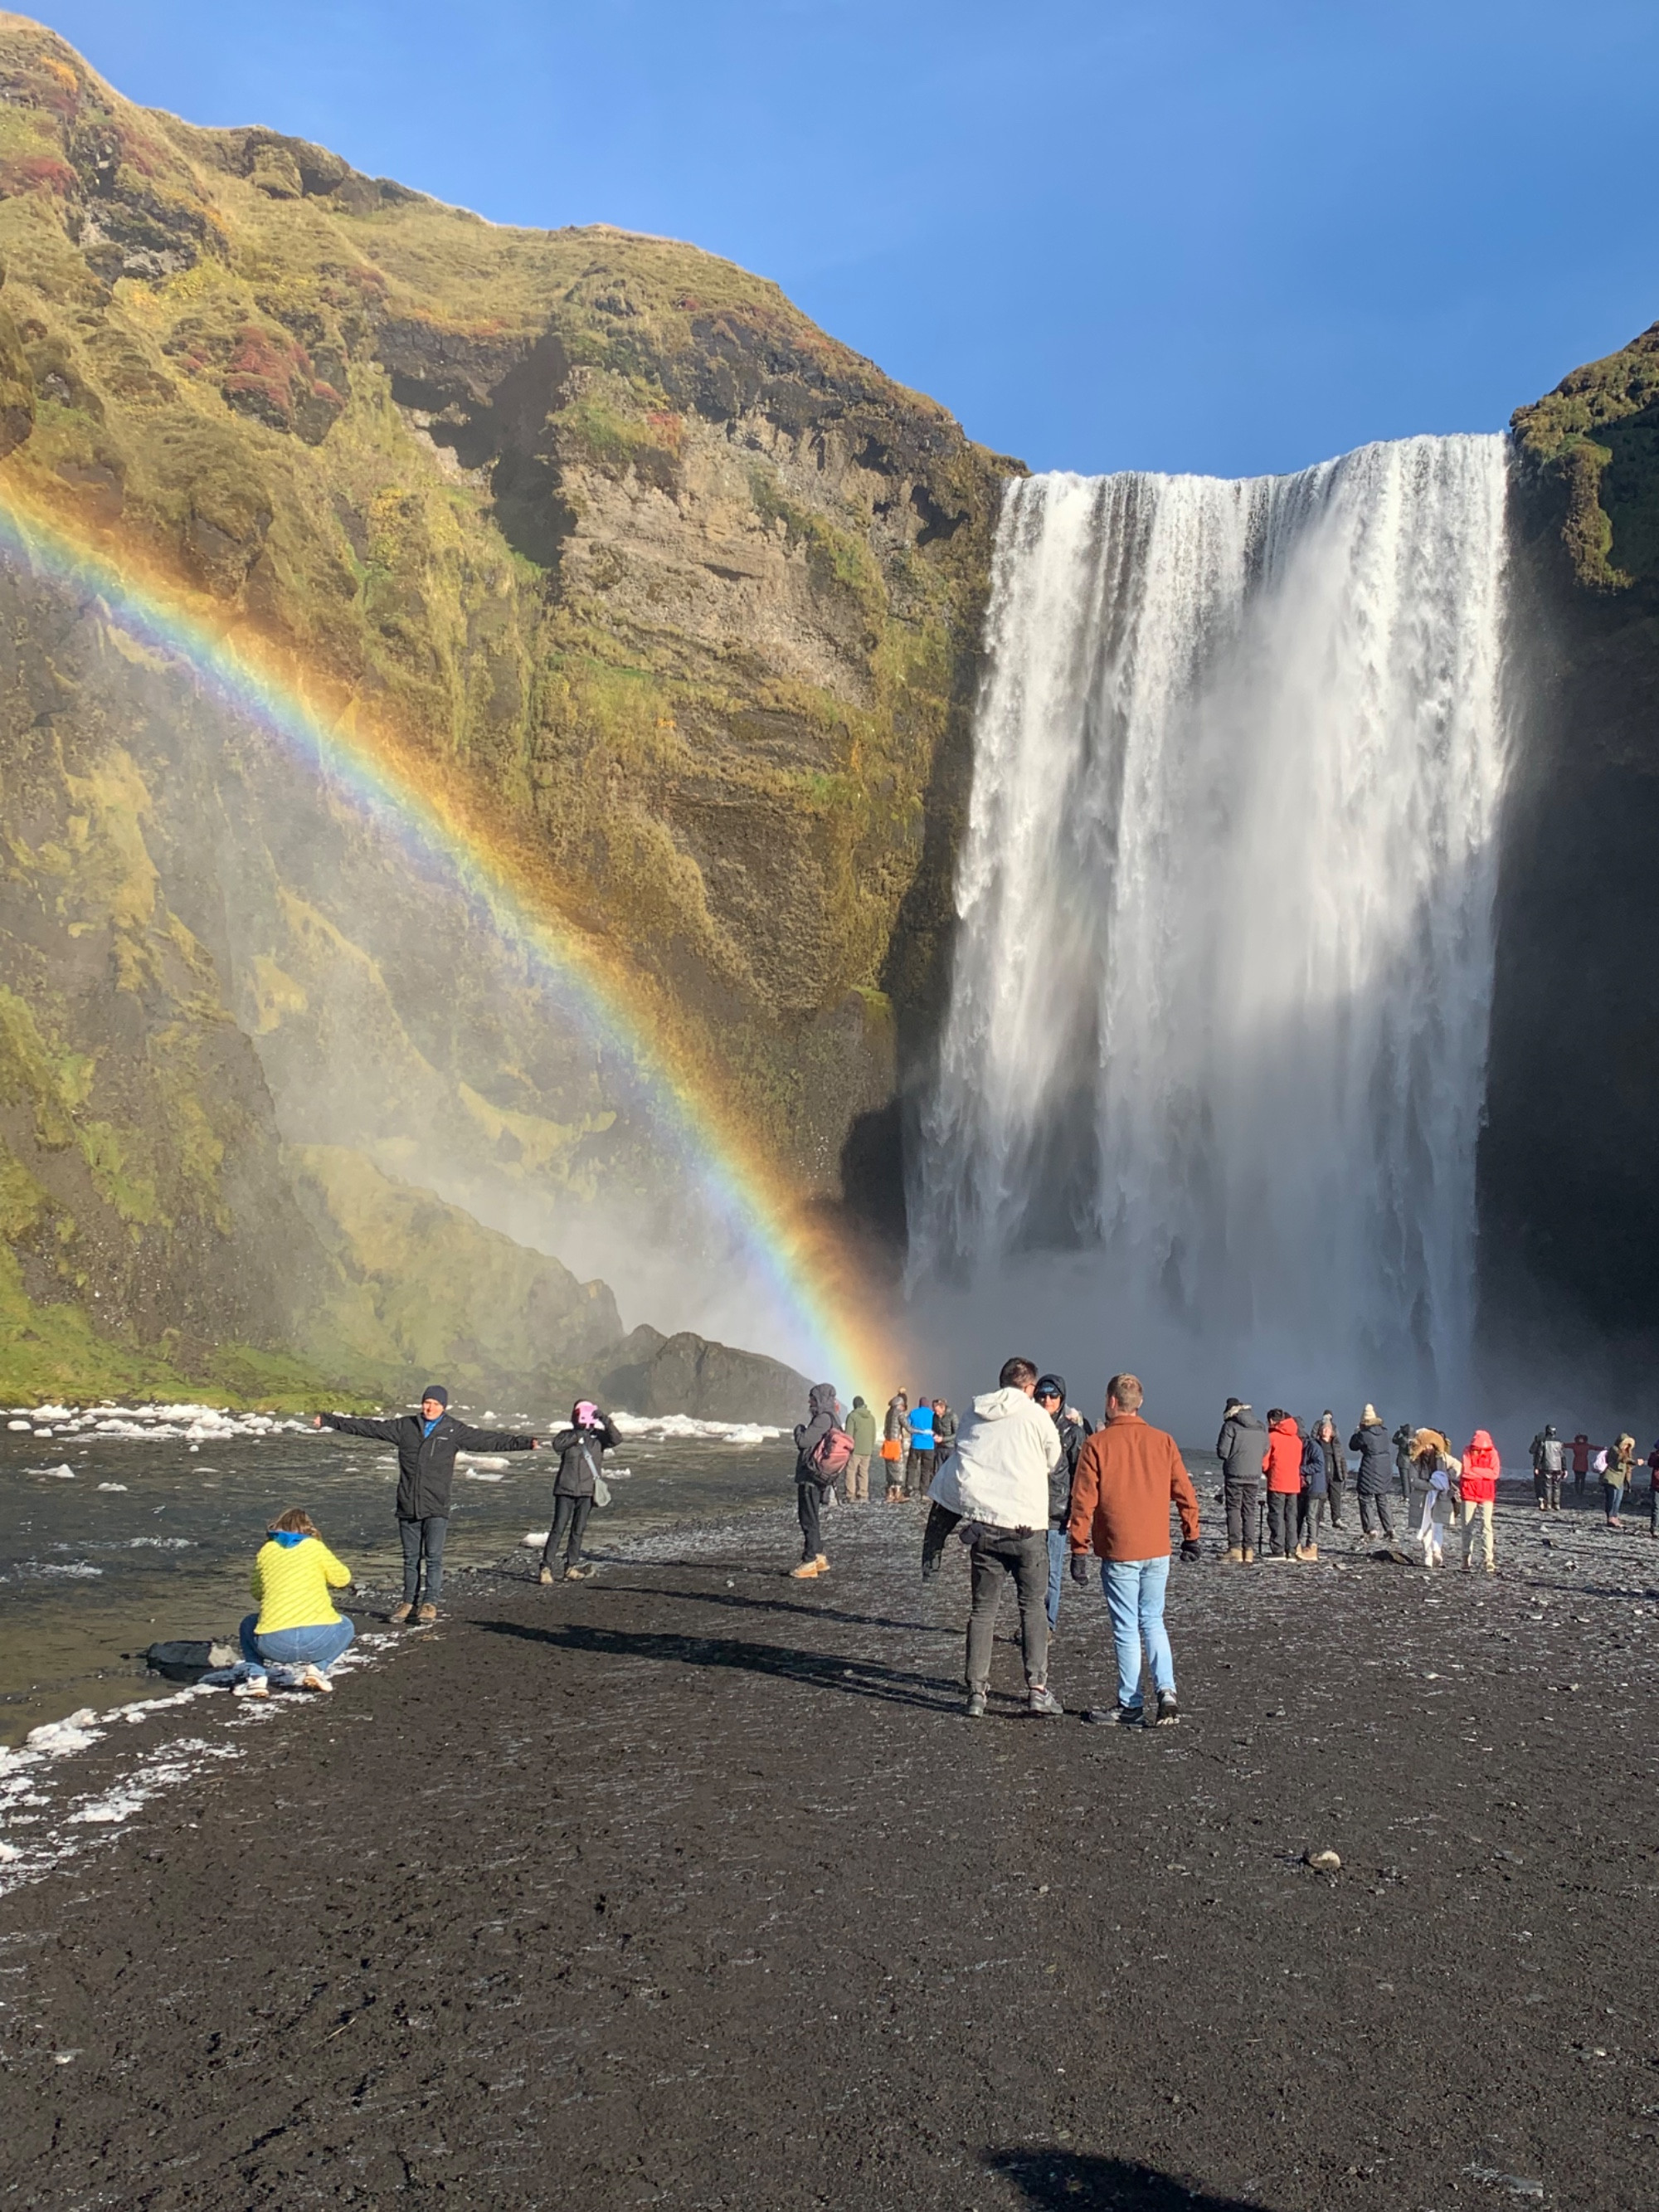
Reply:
x=919, y=1466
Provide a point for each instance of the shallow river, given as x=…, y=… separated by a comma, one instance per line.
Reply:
x=146, y=1540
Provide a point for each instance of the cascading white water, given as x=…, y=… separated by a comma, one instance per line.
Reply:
x=1220, y=1009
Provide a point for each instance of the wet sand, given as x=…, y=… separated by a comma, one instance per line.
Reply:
x=690, y=1886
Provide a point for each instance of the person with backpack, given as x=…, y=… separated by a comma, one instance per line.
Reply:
x=823, y=1447
x=919, y=1460
x=1051, y=1396
x=579, y=1447
x=1548, y=1457
x=1581, y=1459
x=1240, y=1447
x=895, y=1430
x=426, y=1444
x=1282, y=1465
x=861, y=1427
x=997, y=1481
x=1311, y=1505
x=1478, y=1484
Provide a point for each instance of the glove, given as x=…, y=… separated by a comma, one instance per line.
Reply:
x=1080, y=1568
x=1189, y=1548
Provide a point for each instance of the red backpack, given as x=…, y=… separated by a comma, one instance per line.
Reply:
x=830, y=1454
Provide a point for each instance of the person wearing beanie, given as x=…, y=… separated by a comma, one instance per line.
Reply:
x=426, y=1444
x=1050, y=1395
x=579, y=1447
x=1376, y=1476
x=1336, y=1464
x=1240, y=1447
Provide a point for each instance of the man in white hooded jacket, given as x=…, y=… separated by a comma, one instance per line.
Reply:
x=997, y=1479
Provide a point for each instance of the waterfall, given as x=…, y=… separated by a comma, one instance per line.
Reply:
x=1220, y=1009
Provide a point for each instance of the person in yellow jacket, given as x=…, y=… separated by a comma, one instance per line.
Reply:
x=296, y=1635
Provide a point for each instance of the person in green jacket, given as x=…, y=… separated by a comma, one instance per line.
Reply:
x=861, y=1427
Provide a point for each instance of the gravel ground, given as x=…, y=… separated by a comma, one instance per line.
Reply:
x=690, y=1886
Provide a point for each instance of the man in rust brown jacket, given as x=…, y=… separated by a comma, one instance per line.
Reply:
x=1127, y=1473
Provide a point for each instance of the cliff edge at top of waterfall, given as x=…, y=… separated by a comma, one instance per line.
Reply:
x=1596, y=440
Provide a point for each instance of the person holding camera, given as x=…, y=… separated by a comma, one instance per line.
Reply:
x=580, y=1447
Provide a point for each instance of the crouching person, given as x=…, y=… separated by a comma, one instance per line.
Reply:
x=296, y=1635
x=1127, y=1473
x=997, y=1479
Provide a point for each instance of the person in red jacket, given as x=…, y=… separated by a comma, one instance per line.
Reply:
x=1282, y=1465
x=1479, y=1484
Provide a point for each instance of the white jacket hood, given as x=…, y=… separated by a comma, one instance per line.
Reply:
x=999, y=1472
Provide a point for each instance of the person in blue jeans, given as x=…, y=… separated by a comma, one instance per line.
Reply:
x=1051, y=1396
x=296, y=1635
x=1128, y=1475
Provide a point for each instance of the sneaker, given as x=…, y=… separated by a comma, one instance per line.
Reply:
x=1043, y=1704
x=1119, y=1717
x=400, y=1612
x=579, y=1573
x=807, y=1571
x=822, y=1564
x=312, y=1678
x=546, y=1575
x=975, y=1708
x=427, y=1613
x=1168, y=1712
x=255, y=1686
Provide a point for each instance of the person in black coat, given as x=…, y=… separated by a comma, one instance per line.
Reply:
x=1073, y=1429
x=426, y=1443
x=1376, y=1476
x=1239, y=1448
x=823, y=1414
x=1336, y=1464
x=579, y=1447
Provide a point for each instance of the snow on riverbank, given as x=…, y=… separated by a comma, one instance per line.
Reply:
x=212, y=1424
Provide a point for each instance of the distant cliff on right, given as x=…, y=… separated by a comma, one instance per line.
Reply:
x=1569, y=1163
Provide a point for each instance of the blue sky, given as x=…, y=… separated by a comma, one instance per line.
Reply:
x=1226, y=238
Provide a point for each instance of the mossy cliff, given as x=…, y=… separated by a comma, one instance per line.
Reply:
x=684, y=591
x=1570, y=1188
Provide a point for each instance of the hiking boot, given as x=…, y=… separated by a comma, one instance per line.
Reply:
x=1043, y=1704
x=1236, y=1555
x=545, y=1577
x=975, y=1708
x=807, y=1571
x=1168, y=1712
x=427, y=1613
x=822, y=1564
x=1309, y=1553
x=312, y=1678
x=401, y=1612
x=1249, y=1556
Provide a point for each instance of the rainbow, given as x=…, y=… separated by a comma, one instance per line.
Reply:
x=395, y=789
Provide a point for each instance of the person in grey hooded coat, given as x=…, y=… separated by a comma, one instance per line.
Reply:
x=1239, y=1448
x=809, y=1486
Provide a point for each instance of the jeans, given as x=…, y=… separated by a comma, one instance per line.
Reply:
x=1311, y=1509
x=918, y=1473
x=858, y=1478
x=1058, y=1547
x=1379, y=1506
x=1135, y=1598
x=1243, y=1499
x=286, y=1649
x=1613, y=1496
x=1478, y=1515
x=570, y=1522
x=996, y=1554
x=1281, y=1521
x=423, y=1540
x=809, y=1502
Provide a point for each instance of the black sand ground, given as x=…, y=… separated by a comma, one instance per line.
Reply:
x=691, y=1887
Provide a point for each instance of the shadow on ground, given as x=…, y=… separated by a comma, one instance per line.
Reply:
x=853, y=1677
x=1065, y=2181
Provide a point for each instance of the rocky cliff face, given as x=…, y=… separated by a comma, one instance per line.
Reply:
x=1569, y=1193
x=681, y=593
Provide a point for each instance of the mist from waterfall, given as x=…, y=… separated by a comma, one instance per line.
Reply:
x=1218, y=1019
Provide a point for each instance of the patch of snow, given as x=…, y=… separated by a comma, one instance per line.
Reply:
x=112, y=1485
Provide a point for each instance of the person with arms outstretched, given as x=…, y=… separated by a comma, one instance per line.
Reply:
x=426, y=1444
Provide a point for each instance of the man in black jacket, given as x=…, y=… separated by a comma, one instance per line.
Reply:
x=1239, y=1448
x=426, y=1443
x=1073, y=1428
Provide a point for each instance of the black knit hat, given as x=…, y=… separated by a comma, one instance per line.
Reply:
x=435, y=1390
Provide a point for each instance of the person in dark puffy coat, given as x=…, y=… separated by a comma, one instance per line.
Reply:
x=1239, y=1448
x=1313, y=1502
x=1073, y=1428
x=1375, y=1477
x=821, y=1417
x=580, y=1447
